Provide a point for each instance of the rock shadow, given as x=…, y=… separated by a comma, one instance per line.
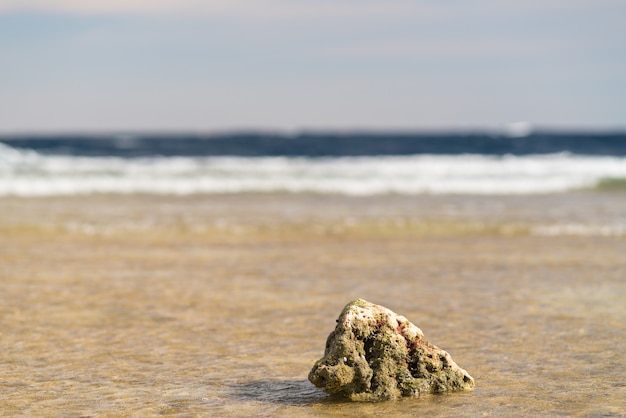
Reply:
x=292, y=392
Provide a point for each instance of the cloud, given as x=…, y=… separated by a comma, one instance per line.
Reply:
x=295, y=8
x=110, y=6
x=290, y=9
x=473, y=47
x=241, y=8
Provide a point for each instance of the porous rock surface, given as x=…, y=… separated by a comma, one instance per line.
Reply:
x=375, y=354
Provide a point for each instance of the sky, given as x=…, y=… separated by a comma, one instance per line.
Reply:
x=205, y=66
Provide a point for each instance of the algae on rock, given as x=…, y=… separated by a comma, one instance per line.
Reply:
x=375, y=354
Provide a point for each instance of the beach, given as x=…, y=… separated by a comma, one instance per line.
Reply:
x=215, y=305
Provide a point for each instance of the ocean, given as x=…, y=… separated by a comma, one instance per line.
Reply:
x=201, y=276
x=339, y=163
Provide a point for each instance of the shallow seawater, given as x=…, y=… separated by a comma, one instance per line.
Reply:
x=220, y=305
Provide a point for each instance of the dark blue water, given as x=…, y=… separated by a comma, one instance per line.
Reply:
x=254, y=144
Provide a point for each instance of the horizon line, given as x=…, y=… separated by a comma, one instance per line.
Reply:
x=520, y=129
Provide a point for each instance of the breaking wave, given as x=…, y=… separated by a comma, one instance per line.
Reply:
x=28, y=173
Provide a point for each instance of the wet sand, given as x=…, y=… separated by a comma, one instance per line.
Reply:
x=219, y=305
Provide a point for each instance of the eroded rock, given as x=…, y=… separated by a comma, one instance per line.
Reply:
x=376, y=354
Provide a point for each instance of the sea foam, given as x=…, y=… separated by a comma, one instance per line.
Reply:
x=28, y=173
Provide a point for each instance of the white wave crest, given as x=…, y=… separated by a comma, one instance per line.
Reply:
x=27, y=173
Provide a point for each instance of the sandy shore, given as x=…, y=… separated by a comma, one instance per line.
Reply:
x=216, y=305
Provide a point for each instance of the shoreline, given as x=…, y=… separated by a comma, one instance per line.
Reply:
x=219, y=305
x=583, y=213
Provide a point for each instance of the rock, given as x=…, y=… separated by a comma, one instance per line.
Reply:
x=375, y=354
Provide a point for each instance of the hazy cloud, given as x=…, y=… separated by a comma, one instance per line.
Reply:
x=241, y=8
x=290, y=9
x=449, y=48
x=205, y=64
